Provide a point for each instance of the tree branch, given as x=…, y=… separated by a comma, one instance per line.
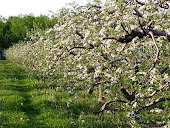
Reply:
x=81, y=47
x=90, y=91
x=104, y=107
x=138, y=13
x=124, y=29
x=160, y=33
x=153, y=124
x=94, y=6
x=129, y=37
x=112, y=63
x=155, y=102
x=140, y=16
x=157, y=53
x=105, y=56
x=164, y=69
x=156, y=91
x=139, y=2
x=78, y=33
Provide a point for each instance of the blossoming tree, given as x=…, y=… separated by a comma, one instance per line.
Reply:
x=120, y=47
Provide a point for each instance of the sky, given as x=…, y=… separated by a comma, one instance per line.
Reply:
x=36, y=7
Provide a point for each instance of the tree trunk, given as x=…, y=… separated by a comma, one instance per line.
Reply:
x=100, y=94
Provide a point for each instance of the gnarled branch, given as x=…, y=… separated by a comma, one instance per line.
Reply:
x=157, y=53
x=104, y=107
x=129, y=37
x=155, y=102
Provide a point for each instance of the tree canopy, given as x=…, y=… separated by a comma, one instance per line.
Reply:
x=15, y=28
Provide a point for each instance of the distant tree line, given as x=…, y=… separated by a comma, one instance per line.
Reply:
x=15, y=28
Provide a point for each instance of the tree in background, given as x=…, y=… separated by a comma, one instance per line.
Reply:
x=15, y=28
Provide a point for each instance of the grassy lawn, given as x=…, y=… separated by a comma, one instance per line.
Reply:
x=27, y=103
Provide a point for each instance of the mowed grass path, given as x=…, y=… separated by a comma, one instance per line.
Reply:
x=23, y=102
x=27, y=103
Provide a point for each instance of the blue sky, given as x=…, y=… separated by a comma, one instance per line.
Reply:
x=16, y=7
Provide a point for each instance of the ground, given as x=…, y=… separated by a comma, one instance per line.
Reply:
x=25, y=102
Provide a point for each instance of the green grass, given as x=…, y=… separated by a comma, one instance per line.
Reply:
x=27, y=103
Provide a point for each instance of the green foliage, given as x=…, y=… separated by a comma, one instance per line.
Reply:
x=15, y=28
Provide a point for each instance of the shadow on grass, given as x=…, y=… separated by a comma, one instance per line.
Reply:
x=15, y=98
x=24, y=104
